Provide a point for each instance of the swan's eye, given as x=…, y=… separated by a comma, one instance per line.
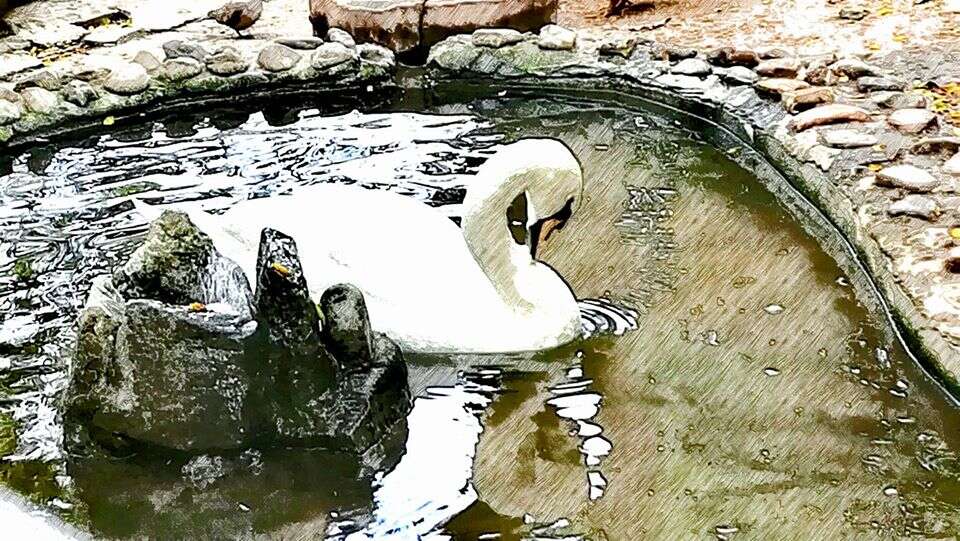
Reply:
x=517, y=219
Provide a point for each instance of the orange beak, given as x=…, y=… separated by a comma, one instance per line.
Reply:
x=549, y=226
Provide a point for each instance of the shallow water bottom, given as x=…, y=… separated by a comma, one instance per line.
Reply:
x=759, y=399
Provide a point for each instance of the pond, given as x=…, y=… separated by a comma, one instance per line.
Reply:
x=761, y=397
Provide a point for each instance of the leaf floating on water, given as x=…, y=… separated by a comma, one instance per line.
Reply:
x=771, y=371
x=197, y=307
x=109, y=121
x=280, y=269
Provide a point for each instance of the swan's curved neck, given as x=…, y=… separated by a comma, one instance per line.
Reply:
x=504, y=261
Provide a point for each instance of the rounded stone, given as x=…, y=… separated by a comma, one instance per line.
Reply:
x=127, y=78
x=330, y=55
x=739, y=75
x=848, y=139
x=496, y=37
x=79, y=93
x=341, y=36
x=277, y=58
x=919, y=206
x=911, y=120
x=779, y=67
x=377, y=56
x=303, y=44
x=908, y=177
x=147, y=59
x=180, y=49
x=227, y=62
x=9, y=112
x=180, y=69
x=557, y=38
x=39, y=100
x=692, y=66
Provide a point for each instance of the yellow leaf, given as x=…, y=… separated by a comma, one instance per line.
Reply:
x=874, y=167
x=197, y=307
x=109, y=121
x=955, y=232
x=901, y=38
x=884, y=11
x=280, y=269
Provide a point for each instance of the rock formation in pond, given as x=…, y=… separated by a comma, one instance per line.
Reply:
x=175, y=350
x=406, y=25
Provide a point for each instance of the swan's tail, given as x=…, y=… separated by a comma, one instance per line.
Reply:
x=601, y=316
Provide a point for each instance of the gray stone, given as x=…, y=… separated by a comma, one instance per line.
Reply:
x=908, y=177
x=779, y=86
x=79, y=93
x=149, y=62
x=899, y=100
x=127, y=78
x=854, y=13
x=729, y=56
x=670, y=53
x=683, y=83
x=9, y=112
x=853, y=68
x=39, y=100
x=180, y=49
x=339, y=35
x=833, y=113
x=618, y=45
x=779, y=67
x=953, y=165
x=44, y=79
x=227, y=62
x=872, y=84
x=496, y=37
x=915, y=205
x=911, y=120
x=738, y=75
x=692, y=66
x=330, y=55
x=557, y=38
x=453, y=55
x=278, y=58
x=182, y=68
x=848, y=139
x=377, y=56
x=303, y=44
x=347, y=332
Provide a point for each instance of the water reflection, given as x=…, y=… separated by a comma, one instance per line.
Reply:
x=755, y=398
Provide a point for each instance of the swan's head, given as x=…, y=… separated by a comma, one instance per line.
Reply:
x=540, y=183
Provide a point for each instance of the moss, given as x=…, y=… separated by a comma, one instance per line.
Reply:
x=23, y=270
x=8, y=435
x=135, y=188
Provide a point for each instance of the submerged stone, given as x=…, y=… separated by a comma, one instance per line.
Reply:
x=346, y=329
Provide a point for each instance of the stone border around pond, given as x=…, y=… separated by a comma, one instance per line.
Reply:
x=849, y=135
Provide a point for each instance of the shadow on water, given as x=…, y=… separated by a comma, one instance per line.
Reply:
x=759, y=398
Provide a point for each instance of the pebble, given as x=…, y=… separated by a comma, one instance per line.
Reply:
x=149, y=62
x=740, y=75
x=806, y=98
x=39, y=100
x=127, y=78
x=780, y=86
x=848, y=139
x=339, y=35
x=907, y=177
x=853, y=13
x=669, y=52
x=496, y=37
x=828, y=114
x=44, y=79
x=621, y=45
x=557, y=38
x=872, y=84
x=226, y=62
x=853, y=68
x=728, y=56
x=303, y=44
x=276, y=58
x=9, y=112
x=180, y=69
x=377, y=55
x=692, y=66
x=953, y=165
x=330, y=55
x=180, y=49
x=911, y=120
x=899, y=100
x=779, y=67
x=919, y=206
x=79, y=93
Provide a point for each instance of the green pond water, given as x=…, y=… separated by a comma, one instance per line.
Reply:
x=760, y=398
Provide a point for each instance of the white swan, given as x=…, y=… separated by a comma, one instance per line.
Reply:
x=430, y=285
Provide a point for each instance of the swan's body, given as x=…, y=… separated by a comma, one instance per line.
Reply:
x=428, y=284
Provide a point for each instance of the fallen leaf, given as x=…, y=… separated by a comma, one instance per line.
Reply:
x=109, y=121
x=197, y=307
x=280, y=269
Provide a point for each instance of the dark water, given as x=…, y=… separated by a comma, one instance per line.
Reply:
x=760, y=398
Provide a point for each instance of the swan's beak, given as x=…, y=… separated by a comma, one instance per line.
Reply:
x=549, y=226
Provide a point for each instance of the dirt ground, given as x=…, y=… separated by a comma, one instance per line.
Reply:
x=806, y=26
